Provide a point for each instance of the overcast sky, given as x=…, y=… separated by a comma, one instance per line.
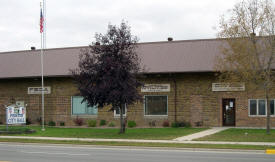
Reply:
x=74, y=22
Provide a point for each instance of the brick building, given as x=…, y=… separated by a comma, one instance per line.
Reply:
x=179, y=85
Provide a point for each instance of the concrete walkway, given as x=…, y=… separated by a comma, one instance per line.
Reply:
x=139, y=141
x=201, y=134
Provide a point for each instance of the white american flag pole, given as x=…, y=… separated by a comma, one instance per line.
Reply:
x=43, y=44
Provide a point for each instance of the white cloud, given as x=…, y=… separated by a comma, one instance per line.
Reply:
x=74, y=23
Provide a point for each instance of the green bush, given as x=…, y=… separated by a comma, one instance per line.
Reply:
x=111, y=124
x=180, y=124
x=102, y=122
x=51, y=123
x=62, y=123
x=175, y=125
x=131, y=124
x=28, y=121
x=187, y=125
x=198, y=124
x=91, y=123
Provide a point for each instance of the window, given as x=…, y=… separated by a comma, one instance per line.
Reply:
x=261, y=107
x=124, y=110
x=258, y=107
x=272, y=108
x=79, y=108
x=156, y=105
x=253, y=107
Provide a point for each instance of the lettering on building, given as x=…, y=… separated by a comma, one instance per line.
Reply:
x=38, y=90
x=219, y=87
x=156, y=88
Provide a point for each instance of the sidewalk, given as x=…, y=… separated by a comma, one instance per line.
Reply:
x=201, y=134
x=139, y=141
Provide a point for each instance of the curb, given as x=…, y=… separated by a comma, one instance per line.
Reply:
x=139, y=141
x=270, y=151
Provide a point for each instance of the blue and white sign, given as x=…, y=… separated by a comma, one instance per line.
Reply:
x=16, y=114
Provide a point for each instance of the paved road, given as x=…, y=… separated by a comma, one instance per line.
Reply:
x=68, y=153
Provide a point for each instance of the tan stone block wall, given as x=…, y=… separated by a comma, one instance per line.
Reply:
x=57, y=104
x=195, y=101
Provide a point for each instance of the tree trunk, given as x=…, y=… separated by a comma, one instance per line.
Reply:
x=122, y=123
x=268, y=111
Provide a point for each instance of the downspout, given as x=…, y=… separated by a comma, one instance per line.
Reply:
x=175, y=100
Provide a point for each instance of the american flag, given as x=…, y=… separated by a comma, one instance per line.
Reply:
x=41, y=21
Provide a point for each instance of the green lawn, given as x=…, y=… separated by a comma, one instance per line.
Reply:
x=112, y=133
x=241, y=135
x=137, y=144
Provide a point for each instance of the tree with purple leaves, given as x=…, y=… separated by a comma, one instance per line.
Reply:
x=108, y=69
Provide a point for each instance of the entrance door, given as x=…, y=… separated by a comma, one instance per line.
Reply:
x=228, y=107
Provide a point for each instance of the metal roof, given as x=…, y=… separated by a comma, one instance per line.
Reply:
x=157, y=57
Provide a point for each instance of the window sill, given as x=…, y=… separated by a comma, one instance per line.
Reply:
x=156, y=116
x=253, y=116
x=118, y=116
x=261, y=116
x=84, y=116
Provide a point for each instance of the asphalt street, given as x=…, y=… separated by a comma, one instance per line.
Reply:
x=13, y=152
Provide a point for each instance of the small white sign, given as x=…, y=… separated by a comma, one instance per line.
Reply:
x=231, y=104
x=156, y=88
x=38, y=90
x=16, y=115
x=228, y=87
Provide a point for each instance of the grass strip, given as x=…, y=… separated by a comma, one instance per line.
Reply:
x=241, y=135
x=112, y=133
x=137, y=144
